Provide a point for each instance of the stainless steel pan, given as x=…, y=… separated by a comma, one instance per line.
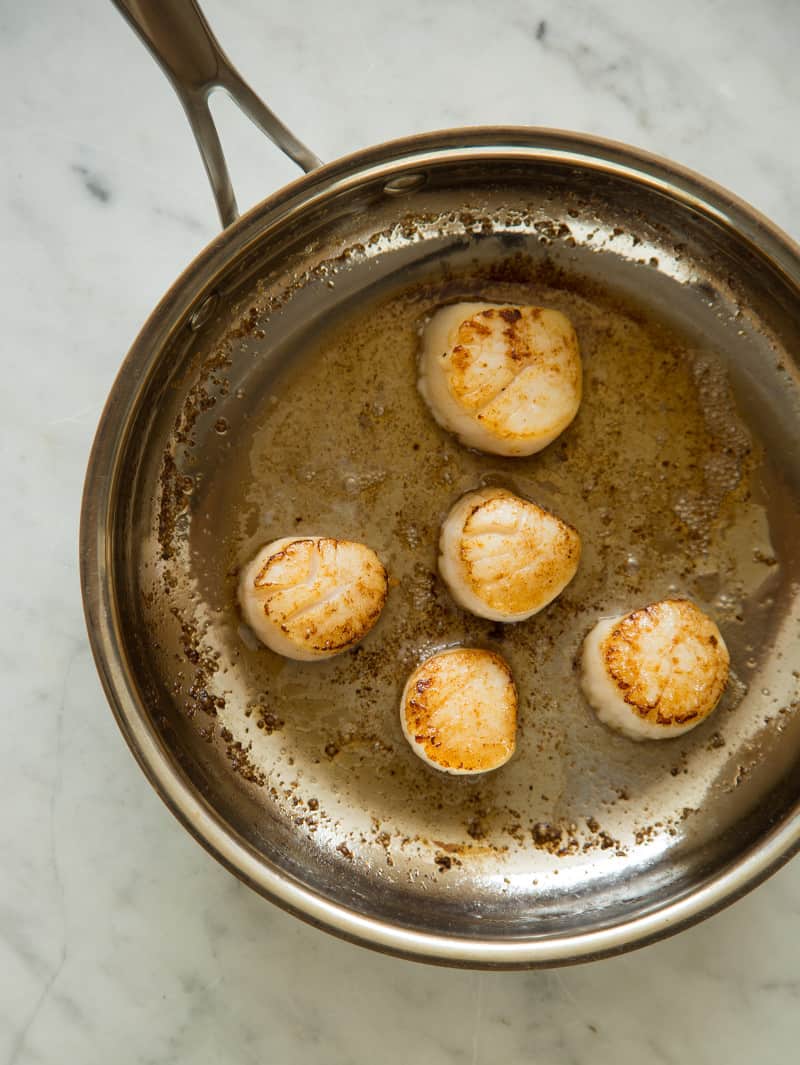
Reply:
x=273, y=388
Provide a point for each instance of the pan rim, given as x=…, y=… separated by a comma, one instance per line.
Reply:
x=100, y=486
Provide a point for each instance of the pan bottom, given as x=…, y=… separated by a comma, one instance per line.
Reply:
x=672, y=493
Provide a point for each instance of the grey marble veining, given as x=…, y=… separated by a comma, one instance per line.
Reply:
x=120, y=941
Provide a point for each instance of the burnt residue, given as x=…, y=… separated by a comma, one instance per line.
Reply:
x=242, y=763
x=383, y=472
x=445, y=862
x=269, y=722
x=201, y=398
x=548, y=837
x=172, y=502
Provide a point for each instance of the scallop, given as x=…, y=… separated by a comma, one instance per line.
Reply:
x=313, y=597
x=505, y=379
x=656, y=672
x=504, y=557
x=459, y=711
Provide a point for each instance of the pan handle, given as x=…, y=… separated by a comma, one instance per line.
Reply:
x=178, y=36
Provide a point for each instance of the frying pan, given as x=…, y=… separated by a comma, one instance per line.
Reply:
x=273, y=389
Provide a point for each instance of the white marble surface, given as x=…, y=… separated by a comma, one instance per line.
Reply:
x=120, y=941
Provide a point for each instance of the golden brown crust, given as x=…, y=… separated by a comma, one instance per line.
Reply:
x=668, y=662
x=460, y=708
x=508, y=529
x=323, y=593
x=527, y=352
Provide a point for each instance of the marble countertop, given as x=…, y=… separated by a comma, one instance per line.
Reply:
x=120, y=940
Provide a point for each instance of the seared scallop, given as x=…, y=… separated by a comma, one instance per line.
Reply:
x=459, y=711
x=503, y=378
x=312, y=597
x=503, y=557
x=656, y=672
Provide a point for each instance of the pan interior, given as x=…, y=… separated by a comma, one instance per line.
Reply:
x=293, y=409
